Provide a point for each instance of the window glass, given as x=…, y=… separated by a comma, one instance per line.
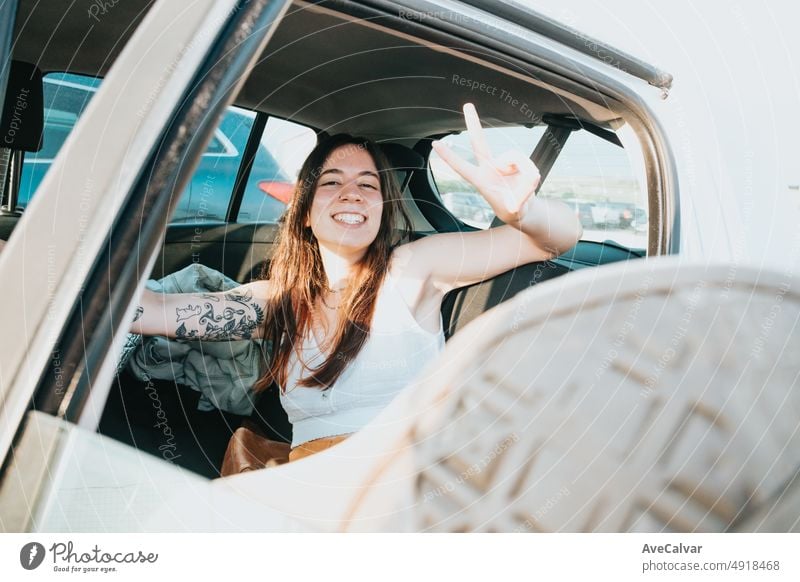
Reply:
x=207, y=195
x=458, y=195
x=216, y=146
x=596, y=179
x=65, y=98
x=591, y=175
x=284, y=147
x=56, y=136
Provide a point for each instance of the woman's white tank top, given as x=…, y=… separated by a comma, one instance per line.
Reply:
x=395, y=352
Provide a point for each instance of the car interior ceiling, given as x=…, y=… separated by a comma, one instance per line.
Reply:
x=356, y=65
x=335, y=74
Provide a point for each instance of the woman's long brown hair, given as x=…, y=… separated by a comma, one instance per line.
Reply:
x=297, y=275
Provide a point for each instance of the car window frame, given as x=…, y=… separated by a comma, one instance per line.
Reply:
x=248, y=153
x=248, y=159
x=229, y=149
x=92, y=290
x=542, y=146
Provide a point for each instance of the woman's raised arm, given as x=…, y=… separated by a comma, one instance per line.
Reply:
x=229, y=315
x=536, y=229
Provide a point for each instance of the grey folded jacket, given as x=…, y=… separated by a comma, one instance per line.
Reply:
x=222, y=371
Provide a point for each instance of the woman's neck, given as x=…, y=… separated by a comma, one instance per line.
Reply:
x=338, y=267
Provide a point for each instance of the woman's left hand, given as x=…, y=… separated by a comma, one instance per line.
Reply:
x=506, y=181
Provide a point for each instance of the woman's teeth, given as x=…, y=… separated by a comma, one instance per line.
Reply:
x=349, y=218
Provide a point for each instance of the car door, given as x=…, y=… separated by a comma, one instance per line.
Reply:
x=80, y=226
x=98, y=231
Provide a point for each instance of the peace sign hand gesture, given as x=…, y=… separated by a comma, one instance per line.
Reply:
x=506, y=181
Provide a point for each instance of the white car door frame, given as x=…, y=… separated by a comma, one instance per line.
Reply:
x=163, y=97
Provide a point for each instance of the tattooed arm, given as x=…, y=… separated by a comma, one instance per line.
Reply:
x=230, y=315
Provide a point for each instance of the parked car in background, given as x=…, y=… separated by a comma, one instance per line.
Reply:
x=639, y=222
x=612, y=214
x=469, y=207
x=67, y=95
x=584, y=211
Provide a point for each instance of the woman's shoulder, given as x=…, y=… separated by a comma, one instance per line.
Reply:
x=404, y=261
x=414, y=285
x=416, y=261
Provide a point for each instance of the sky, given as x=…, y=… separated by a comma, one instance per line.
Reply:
x=739, y=60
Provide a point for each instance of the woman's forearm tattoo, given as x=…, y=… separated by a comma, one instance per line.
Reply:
x=239, y=318
x=139, y=312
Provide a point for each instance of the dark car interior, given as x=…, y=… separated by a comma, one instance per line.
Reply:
x=395, y=82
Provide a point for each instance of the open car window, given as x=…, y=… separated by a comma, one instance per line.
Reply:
x=596, y=178
x=65, y=98
x=283, y=148
x=205, y=198
x=458, y=195
x=593, y=176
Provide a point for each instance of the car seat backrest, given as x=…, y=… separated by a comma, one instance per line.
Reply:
x=403, y=161
x=462, y=305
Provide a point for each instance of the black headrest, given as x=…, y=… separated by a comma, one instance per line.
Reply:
x=23, y=111
x=402, y=158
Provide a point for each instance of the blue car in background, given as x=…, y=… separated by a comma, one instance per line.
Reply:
x=207, y=196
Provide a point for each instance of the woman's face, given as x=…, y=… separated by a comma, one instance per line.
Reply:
x=346, y=210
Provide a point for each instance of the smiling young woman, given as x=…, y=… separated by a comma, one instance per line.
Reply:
x=332, y=255
x=351, y=310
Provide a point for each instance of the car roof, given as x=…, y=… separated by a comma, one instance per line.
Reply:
x=326, y=70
